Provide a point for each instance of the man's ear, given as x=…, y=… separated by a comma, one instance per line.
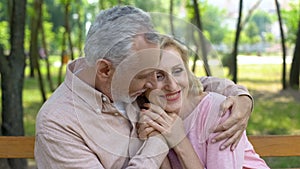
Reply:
x=104, y=68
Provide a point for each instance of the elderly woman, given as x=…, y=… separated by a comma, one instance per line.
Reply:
x=186, y=116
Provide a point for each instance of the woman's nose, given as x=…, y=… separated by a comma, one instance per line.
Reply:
x=170, y=83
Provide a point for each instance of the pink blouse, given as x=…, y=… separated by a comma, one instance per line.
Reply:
x=199, y=126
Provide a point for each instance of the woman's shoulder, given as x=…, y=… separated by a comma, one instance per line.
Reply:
x=212, y=99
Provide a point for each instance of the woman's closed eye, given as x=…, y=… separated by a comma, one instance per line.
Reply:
x=177, y=71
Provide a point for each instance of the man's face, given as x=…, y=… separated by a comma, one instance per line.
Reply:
x=145, y=79
x=135, y=74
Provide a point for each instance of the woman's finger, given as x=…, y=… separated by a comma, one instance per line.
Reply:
x=158, y=110
x=156, y=118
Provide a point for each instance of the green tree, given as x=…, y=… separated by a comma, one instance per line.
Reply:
x=263, y=22
x=295, y=68
x=290, y=18
x=252, y=32
x=212, y=19
x=12, y=78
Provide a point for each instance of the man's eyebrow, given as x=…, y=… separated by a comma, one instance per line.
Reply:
x=145, y=73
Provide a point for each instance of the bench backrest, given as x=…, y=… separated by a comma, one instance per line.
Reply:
x=16, y=147
x=274, y=145
x=265, y=146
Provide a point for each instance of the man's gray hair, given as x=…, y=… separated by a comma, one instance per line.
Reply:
x=111, y=35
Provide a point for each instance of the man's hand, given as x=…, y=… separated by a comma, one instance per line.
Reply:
x=233, y=128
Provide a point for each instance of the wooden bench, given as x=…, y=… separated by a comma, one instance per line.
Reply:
x=16, y=147
x=265, y=146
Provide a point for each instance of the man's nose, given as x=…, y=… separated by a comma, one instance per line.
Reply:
x=151, y=81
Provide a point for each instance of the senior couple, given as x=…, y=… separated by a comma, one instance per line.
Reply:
x=132, y=102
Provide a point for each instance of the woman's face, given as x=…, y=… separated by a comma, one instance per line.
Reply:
x=172, y=82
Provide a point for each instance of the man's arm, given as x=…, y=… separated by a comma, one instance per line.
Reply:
x=151, y=154
x=222, y=86
x=241, y=104
x=57, y=152
x=63, y=152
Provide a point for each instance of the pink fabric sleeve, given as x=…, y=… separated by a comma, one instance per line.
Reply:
x=225, y=159
x=205, y=119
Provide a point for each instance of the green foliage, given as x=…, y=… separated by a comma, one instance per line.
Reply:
x=4, y=35
x=51, y=37
x=212, y=19
x=262, y=20
x=3, y=11
x=56, y=12
x=290, y=19
x=269, y=37
x=252, y=32
x=152, y=5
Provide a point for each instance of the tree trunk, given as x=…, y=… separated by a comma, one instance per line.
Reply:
x=42, y=29
x=67, y=28
x=236, y=43
x=3, y=162
x=283, y=80
x=202, y=42
x=295, y=67
x=171, y=17
x=251, y=10
x=12, y=79
x=80, y=26
x=34, y=54
x=63, y=54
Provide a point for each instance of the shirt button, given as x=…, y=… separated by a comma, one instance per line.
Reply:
x=116, y=114
x=98, y=110
x=104, y=99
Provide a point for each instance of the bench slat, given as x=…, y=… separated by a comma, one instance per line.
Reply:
x=276, y=145
x=265, y=146
x=16, y=147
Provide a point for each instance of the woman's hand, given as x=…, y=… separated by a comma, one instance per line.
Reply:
x=155, y=119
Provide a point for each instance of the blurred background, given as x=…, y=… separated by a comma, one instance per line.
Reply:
x=257, y=43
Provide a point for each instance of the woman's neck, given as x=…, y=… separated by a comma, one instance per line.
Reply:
x=190, y=103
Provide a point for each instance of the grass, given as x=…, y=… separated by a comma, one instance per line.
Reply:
x=275, y=112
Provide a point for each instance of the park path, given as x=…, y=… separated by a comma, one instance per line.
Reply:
x=242, y=59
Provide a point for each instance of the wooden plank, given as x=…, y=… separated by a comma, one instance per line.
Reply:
x=16, y=147
x=265, y=146
x=276, y=145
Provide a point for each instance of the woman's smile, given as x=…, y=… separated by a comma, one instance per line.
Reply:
x=171, y=97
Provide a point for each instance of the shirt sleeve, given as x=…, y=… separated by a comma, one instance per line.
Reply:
x=225, y=87
x=152, y=153
x=69, y=152
x=57, y=152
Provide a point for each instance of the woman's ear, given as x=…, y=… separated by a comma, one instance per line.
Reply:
x=104, y=68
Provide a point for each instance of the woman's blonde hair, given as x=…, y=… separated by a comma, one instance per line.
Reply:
x=194, y=82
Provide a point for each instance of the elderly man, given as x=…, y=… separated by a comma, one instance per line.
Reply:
x=80, y=125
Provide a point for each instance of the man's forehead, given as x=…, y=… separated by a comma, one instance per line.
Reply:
x=147, y=71
x=141, y=42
